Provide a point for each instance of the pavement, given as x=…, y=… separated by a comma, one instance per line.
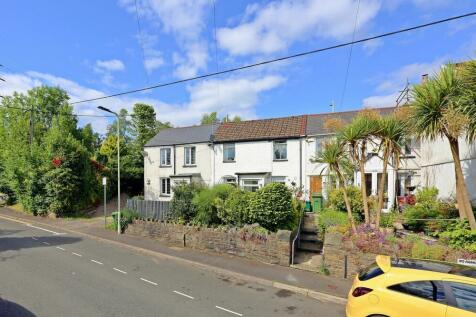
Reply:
x=88, y=271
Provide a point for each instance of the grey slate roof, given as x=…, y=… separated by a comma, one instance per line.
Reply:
x=316, y=122
x=185, y=135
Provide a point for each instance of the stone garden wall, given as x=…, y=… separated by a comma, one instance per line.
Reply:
x=335, y=251
x=274, y=248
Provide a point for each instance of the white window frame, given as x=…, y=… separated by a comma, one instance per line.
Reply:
x=249, y=187
x=278, y=179
x=167, y=152
x=188, y=158
x=227, y=146
x=280, y=142
x=165, y=189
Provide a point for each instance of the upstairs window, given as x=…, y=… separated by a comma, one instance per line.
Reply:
x=280, y=150
x=229, y=152
x=165, y=157
x=190, y=157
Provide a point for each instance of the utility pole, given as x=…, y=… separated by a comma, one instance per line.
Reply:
x=333, y=106
x=118, y=168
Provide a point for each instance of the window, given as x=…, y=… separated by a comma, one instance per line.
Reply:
x=370, y=272
x=279, y=179
x=165, y=156
x=165, y=186
x=280, y=150
x=190, y=158
x=465, y=296
x=229, y=152
x=431, y=290
x=251, y=185
x=320, y=142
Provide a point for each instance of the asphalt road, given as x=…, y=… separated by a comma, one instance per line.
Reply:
x=48, y=274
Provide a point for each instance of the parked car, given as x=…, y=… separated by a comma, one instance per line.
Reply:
x=411, y=287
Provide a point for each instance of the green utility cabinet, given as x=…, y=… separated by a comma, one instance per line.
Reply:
x=317, y=202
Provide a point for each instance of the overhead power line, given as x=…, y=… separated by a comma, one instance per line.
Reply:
x=141, y=42
x=230, y=70
x=59, y=114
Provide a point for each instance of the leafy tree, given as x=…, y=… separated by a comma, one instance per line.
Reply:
x=438, y=112
x=335, y=157
x=143, y=123
x=209, y=118
x=391, y=134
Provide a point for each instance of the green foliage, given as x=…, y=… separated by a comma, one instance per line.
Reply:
x=336, y=199
x=422, y=250
x=208, y=201
x=270, y=206
x=387, y=219
x=460, y=236
x=331, y=218
x=181, y=205
x=127, y=216
x=235, y=209
x=427, y=206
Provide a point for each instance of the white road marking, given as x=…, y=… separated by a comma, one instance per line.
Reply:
x=188, y=296
x=229, y=311
x=34, y=238
x=45, y=243
x=123, y=272
x=32, y=226
x=97, y=262
x=60, y=248
x=77, y=254
x=150, y=282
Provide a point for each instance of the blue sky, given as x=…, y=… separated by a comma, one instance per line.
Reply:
x=93, y=48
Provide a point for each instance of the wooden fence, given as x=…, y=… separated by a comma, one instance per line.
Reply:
x=150, y=209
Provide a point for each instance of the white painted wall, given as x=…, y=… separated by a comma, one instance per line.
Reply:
x=257, y=157
x=311, y=168
x=153, y=171
x=437, y=167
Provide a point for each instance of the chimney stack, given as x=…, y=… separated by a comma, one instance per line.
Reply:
x=424, y=78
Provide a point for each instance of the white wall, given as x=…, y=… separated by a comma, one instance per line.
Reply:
x=153, y=172
x=311, y=168
x=437, y=167
x=257, y=157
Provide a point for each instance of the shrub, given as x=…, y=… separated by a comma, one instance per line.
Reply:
x=235, y=209
x=336, y=199
x=460, y=236
x=422, y=250
x=271, y=207
x=126, y=218
x=208, y=201
x=181, y=205
x=387, y=219
x=331, y=218
x=427, y=206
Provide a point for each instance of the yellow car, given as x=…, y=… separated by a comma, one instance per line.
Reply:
x=413, y=288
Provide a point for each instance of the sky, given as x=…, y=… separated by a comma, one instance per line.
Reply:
x=96, y=48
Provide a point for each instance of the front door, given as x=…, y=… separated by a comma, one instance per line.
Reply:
x=316, y=185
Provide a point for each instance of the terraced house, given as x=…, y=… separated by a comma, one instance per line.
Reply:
x=253, y=153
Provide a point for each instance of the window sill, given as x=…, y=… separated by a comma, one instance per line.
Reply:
x=195, y=165
x=164, y=195
x=229, y=161
x=165, y=166
x=275, y=160
x=408, y=156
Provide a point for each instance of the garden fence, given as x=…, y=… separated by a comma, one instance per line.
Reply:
x=150, y=209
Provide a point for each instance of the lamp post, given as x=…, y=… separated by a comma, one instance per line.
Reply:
x=118, y=169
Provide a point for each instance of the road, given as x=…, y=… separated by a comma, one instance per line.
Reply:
x=47, y=274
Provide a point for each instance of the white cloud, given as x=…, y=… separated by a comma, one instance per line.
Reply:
x=277, y=25
x=233, y=96
x=184, y=19
x=390, y=85
x=111, y=65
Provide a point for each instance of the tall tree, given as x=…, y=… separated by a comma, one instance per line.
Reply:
x=391, y=135
x=335, y=159
x=438, y=113
x=143, y=123
x=208, y=118
x=356, y=137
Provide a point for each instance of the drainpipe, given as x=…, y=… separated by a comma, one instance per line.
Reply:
x=175, y=161
x=300, y=165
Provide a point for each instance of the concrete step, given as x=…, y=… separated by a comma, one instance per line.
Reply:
x=310, y=247
x=307, y=261
x=311, y=237
x=309, y=230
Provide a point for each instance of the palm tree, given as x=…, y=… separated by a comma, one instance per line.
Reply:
x=335, y=157
x=391, y=134
x=437, y=113
x=356, y=136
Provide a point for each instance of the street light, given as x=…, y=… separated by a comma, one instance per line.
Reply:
x=118, y=169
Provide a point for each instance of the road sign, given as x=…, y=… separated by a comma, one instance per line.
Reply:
x=467, y=262
x=104, y=181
